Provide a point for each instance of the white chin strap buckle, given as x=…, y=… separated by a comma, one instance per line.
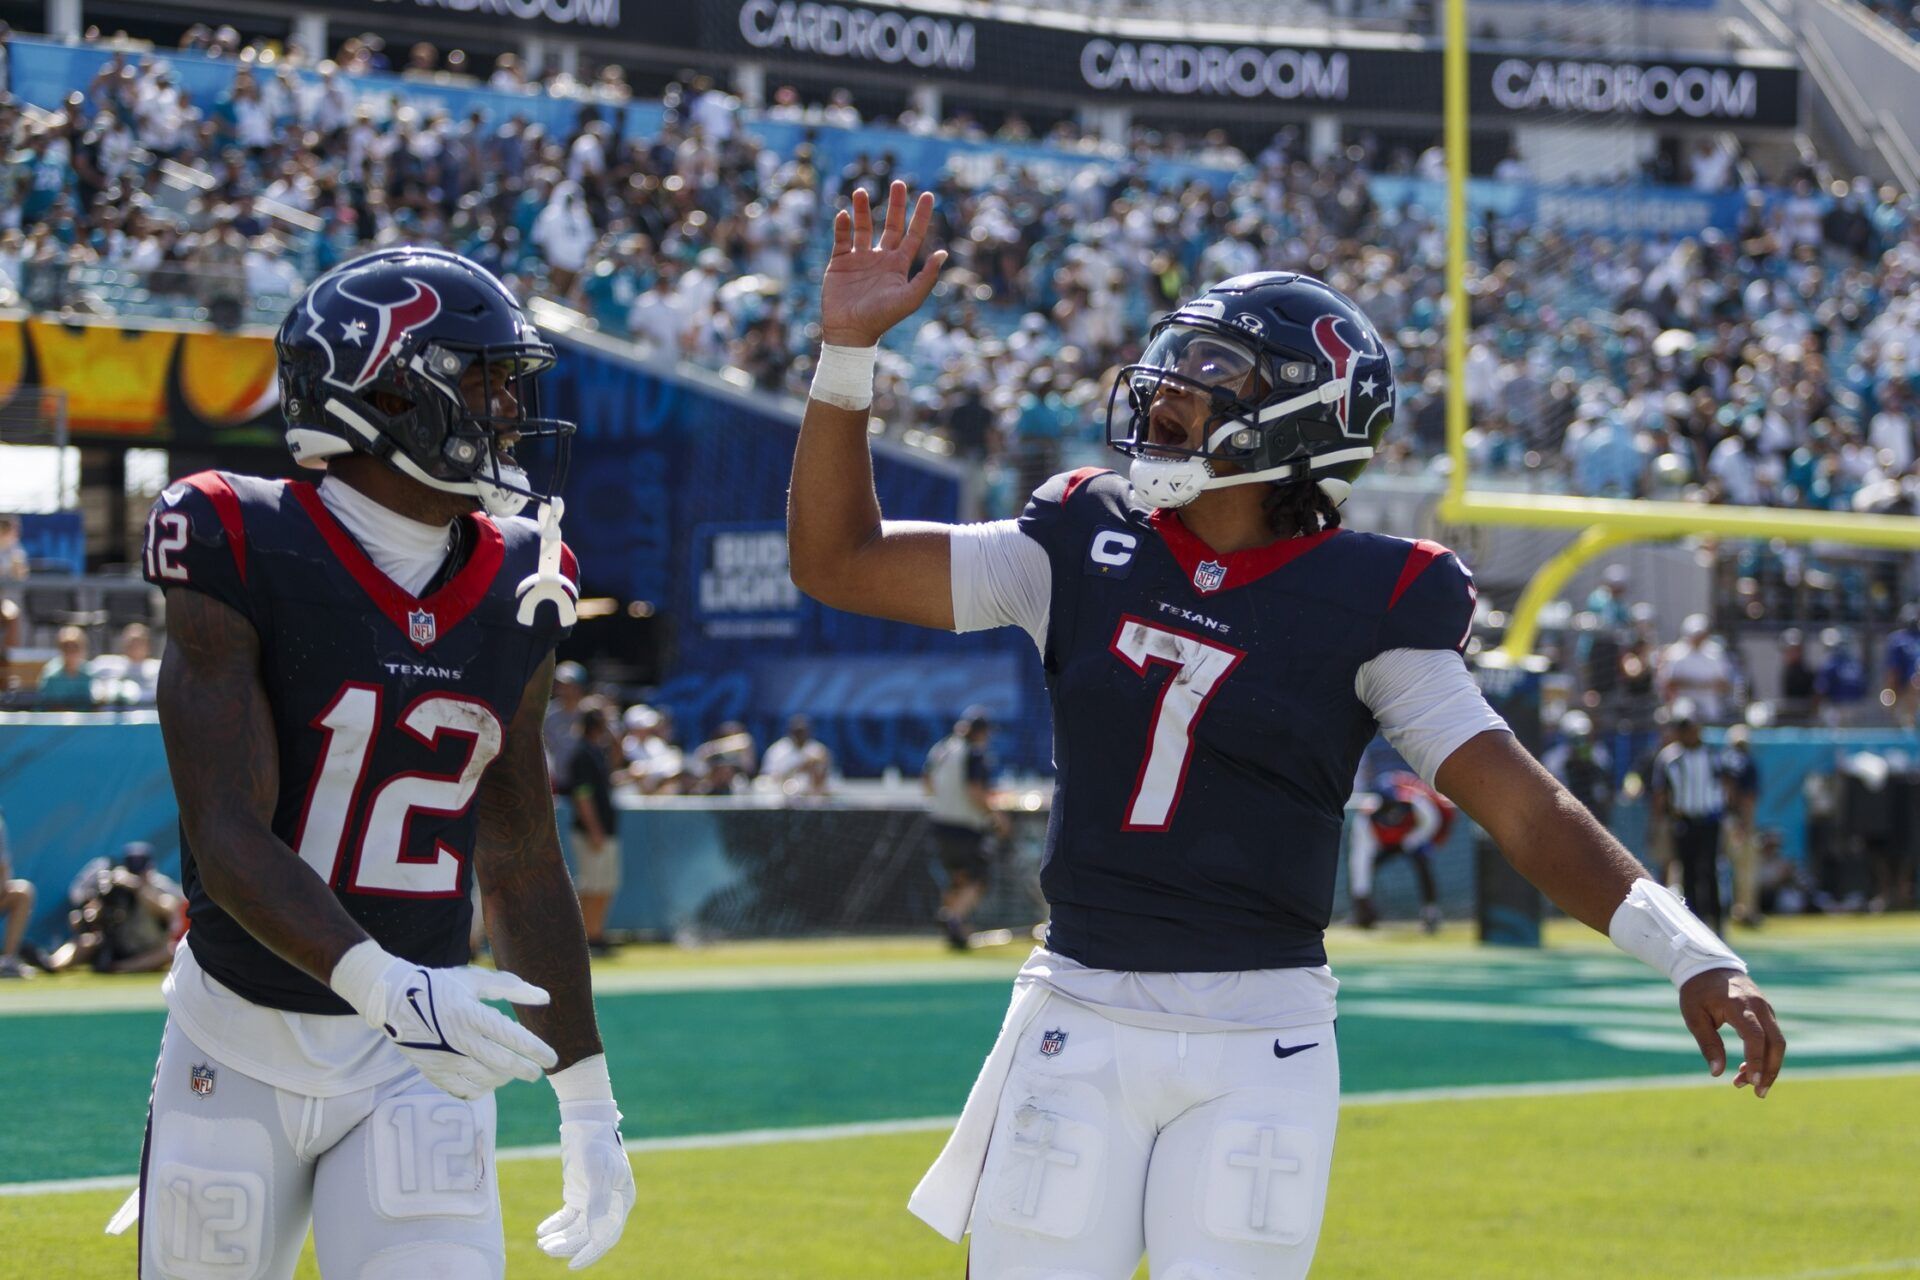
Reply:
x=548, y=584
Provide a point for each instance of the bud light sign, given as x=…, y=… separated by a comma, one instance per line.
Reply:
x=743, y=589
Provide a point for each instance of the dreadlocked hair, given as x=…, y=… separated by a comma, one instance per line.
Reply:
x=1298, y=507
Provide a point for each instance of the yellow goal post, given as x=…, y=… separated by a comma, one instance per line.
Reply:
x=1604, y=523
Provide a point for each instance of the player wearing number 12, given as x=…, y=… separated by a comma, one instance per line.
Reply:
x=351, y=699
x=1219, y=651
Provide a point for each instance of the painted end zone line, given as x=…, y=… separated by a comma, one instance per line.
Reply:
x=928, y=1124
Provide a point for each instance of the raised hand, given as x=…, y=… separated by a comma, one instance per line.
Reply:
x=870, y=286
x=1724, y=997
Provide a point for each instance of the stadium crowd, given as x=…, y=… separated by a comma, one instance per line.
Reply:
x=1770, y=363
x=638, y=747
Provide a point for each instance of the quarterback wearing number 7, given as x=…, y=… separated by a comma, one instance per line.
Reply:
x=1218, y=651
x=351, y=699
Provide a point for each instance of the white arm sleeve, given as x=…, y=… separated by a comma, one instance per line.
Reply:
x=1426, y=703
x=1001, y=578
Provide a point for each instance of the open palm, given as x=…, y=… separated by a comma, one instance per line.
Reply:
x=870, y=286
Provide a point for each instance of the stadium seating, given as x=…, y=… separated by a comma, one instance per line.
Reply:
x=1778, y=333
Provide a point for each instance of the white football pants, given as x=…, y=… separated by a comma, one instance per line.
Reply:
x=398, y=1180
x=1207, y=1151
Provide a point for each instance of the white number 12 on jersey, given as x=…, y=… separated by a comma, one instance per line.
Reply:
x=383, y=865
x=1198, y=668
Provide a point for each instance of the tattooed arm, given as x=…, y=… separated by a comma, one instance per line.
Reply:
x=533, y=916
x=225, y=761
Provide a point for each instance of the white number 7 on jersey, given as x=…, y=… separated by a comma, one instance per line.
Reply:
x=1198, y=668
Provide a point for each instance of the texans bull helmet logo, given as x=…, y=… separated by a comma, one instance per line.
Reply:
x=1367, y=395
x=359, y=346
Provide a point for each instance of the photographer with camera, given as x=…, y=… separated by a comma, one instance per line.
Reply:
x=125, y=917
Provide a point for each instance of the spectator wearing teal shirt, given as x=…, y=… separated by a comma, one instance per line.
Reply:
x=1608, y=460
x=612, y=286
x=1042, y=417
x=1612, y=615
x=1608, y=601
x=52, y=176
x=66, y=684
x=1809, y=476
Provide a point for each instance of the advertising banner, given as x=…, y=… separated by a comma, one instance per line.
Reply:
x=651, y=22
x=974, y=162
x=1627, y=210
x=142, y=386
x=678, y=497
x=1359, y=73
x=741, y=587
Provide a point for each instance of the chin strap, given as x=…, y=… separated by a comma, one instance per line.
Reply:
x=548, y=584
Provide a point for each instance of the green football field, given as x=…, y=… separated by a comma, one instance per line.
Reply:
x=1524, y=1114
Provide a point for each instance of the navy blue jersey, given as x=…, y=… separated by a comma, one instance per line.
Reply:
x=387, y=709
x=1205, y=723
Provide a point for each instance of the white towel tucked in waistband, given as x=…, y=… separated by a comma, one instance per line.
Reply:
x=944, y=1198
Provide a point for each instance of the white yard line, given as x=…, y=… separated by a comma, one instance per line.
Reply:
x=605, y=983
x=931, y=1124
x=1380, y=970
x=1858, y=1269
x=1617, y=1084
x=61, y=1186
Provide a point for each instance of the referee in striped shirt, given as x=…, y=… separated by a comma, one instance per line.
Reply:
x=1690, y=794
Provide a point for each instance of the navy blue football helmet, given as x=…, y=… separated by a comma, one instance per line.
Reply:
x=412, y=322
x=1319, y=407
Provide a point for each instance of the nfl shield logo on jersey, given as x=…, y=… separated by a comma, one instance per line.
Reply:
x=1052, y=1043
x=420, y=627
x=200, y=1080
x=1209, y=575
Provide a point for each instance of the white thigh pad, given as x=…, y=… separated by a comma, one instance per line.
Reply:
x=210, y=1224
x=1047, y=1163
x=438, y=1260
x=1262, y=1181
x=428, y=1154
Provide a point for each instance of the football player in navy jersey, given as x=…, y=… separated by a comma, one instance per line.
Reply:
x=351, y=701
x=1219, y=651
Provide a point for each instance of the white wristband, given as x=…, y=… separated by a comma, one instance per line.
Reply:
x=1654, y=925
x=585, y=1081
x=357, y=977
x=843, y=376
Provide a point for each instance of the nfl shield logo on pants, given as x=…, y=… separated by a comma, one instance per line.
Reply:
x=420, y=627
x=1209, y=575
x=1052, y=1043
x=200, y=1080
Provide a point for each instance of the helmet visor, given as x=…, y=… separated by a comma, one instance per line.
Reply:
x=1196, y=356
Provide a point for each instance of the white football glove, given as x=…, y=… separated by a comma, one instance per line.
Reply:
x=596, y=1180
x=436, y=1019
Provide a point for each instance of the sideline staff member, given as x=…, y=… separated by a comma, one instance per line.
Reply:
x=956, y=779
x=1690, y=792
